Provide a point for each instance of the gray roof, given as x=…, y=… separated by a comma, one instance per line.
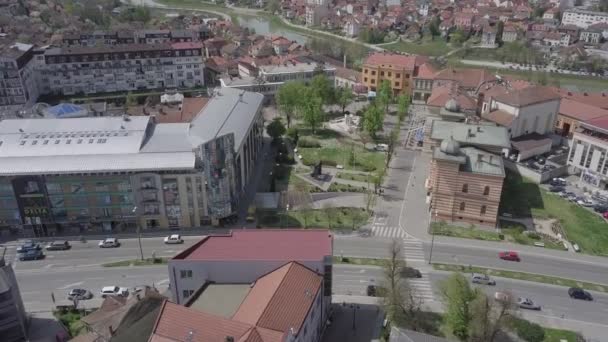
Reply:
x=479, y=135
x=229, y=111
x=469, y=160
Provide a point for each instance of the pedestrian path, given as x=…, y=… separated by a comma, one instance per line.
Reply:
x=422, y=287
x=413, y=250
x=388, y=232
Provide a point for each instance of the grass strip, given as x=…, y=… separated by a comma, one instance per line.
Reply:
x=359, y=261
x=538, y=278
x=137, y=262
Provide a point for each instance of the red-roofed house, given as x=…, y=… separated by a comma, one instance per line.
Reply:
x=398, y=69
x=285, y=304
x=464, y=20
x=572, y=113
x=423, y=83
x=244, y=255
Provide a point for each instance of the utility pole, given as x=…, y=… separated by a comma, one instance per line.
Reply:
x=432, y=234
x=141, y=251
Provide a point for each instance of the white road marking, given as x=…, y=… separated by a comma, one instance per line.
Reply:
x=70, y=285
x=164, y=281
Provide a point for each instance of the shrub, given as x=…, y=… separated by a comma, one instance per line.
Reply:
x=534, y=236
x=529, y=331
x=308, y=142
x=292, y=133
x=501, y=236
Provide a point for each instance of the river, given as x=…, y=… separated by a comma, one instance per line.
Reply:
x=263, y=26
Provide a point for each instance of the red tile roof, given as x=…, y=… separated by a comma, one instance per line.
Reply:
x=527, y=96
x=263, y=244
x=442, y=94
x=601, y=122
x=392, y=60
x=187, y=45
x=500, y=117
x=426, y=71
x=580, y=111
x=281, y=299
x=468, y=78
x=594, y=99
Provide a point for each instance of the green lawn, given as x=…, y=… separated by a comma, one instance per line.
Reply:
x=538, y=278
x=331, y=218
x=356, y=177
x=551, y=335
x=425, y=47
x=338, y=187
x=71, y=320
x=137, y=262
x=359, y=261
x=444, y=229
x=583, y=227
x=332, y=156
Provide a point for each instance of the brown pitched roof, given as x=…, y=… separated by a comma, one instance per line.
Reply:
x=500, y=117
x=527, y=96
x=395, y=60
x=468, y=78
x=580, y=111
x=281, y=299
x=442, y=94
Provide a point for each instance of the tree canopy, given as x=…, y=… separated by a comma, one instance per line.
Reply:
x=288, y=98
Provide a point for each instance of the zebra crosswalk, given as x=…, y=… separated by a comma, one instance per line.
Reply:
x=422, y=287
x=413, y=250
x=388, y=232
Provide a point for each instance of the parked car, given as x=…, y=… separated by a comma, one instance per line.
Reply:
x=557, y=188
x=32, y=254
x=605, y=215
x=109, y=243
x=478, y=278
x=28, y=245
x=585, y=202
x=381, y=147
x=527, y=303
x=502, y=297
x=600, y=208
x=578, y=293
x=58, y=246
x=114, y=291
x=558, y=181
x=79, y=294
x=173, y=239
x=410, y=272
x=509, y=256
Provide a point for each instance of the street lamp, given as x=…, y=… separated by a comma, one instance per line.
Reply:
x=141, y=251
x=354, y=307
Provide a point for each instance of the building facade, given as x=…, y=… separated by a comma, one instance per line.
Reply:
x=398, y=70
x=13, y=319
x=588, y=153
x=128, y=67
x=140, y=36
x=583, y=18
x=18, y=86
x=109, y=173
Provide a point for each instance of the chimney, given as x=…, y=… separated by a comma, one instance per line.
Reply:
x=229, y=339
x=469, y=134
x=478, y=128
x=491, y=157
x=479, y=157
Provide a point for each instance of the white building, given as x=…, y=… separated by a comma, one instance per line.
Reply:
x=270, y=77
x=125, y=67
x=583, y=18
x=104, y=173
x=526, y=111
x=18, y=83
x=588, y=153
x=351, y=27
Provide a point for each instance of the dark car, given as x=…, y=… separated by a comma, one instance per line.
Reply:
x=58, y=246
x=578, y=293
x=32, y=254
x=28, y=245
x=371, y=290
x=600, y=208
x=410, y=272
x=557, y=188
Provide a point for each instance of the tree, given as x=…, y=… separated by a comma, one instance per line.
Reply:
x=403, y=104
x=275, y=129
x=384, y=96
x=273, y=6
x=288, y=99
x=323, y=88
x=311, y=109
x=131, y=100
x=458, y=297
x=458, y=37
x=500, y=27
x=373, y=119
x=344, y=96
x=434, y=27
x=393, y=139
x=489, y=317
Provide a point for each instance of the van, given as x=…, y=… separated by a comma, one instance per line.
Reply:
x=483, y=279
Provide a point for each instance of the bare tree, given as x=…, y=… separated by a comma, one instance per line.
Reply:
x=490, y=316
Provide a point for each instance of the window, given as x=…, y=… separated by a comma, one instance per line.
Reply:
x=187, y=293
x=365, y=79
x=483, y=210
x=398, y=75
x=396, y=84
x=185, y=274
x=462, y=206
x=381, y=73
x=373, y=81
x=365, y=71
x=389, y=74
x=373, y=72
x=407, y=75
x=465, y=187
x=486, y=191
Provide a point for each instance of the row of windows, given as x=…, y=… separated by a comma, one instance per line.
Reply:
x=373, y=81
x=482, y=210
x=486, y=189
x=389, y=73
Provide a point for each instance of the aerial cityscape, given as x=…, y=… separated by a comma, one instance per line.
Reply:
x=304, y=170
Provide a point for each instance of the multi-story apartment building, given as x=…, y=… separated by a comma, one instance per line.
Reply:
x=18, y=86
x=398, y=70
x=13, y=320
x=315, y=11
x=588, y=153
x=267, y=79
x=107, y=173
x=141, y=36
x=126, y=67
x=583, y=18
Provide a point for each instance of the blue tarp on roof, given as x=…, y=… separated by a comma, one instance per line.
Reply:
x=65, y=110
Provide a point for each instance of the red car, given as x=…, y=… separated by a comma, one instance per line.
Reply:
x=510, y=256
x=605, y=215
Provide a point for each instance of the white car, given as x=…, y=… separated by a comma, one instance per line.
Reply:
x=109, y=243
x=114, y=291
x=484, y=279
x=527, y=303
x=173, y=238
x=502, y=297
